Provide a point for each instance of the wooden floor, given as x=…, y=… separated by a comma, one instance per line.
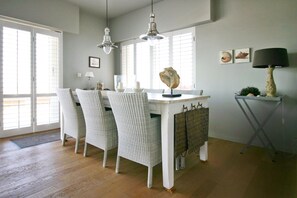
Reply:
x=51, y=170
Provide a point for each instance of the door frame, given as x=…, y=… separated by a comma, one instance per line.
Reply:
x=33, y=29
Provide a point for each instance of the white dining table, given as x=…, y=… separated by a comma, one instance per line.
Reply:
x=167, y=107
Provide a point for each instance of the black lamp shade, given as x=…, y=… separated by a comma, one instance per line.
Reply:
x=273, y=57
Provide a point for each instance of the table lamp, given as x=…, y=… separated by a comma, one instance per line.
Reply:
x=270, y=58
x=89, y=75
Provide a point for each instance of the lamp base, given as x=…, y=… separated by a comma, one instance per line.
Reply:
x=270, y=85
x=171, y=94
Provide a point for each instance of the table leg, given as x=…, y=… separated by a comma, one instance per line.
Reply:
x=167, y=135
x=61, y=124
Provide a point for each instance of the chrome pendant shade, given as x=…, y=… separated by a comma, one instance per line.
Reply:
x=107, y=45
x=152, y=34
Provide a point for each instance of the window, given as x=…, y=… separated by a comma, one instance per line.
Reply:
x=128, y=62
x=144, y=62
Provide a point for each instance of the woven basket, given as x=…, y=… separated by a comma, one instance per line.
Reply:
x=197, y=128
x=180, y=136
x=190, y=130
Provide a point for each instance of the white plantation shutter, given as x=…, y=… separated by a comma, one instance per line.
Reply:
x=127, y=63
x=161, y=60
x=16, y=78
x=47, y=59
x=176, y=50
x=47, y=63
x=183, y=61
x=16, y=61
x=143, y=64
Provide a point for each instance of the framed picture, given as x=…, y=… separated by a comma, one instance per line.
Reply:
x=94, y=62
x=226, y=56
x=242, y=55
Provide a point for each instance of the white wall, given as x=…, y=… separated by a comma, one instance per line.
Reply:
x=238, y=24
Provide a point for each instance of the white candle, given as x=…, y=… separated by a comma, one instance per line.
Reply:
x=137, y=85
x=120, y=85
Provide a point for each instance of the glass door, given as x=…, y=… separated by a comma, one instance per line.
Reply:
x=47, y=74
x=16, y=86
x=30, y=62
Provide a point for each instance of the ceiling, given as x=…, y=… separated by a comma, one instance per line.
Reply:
x=115, y=7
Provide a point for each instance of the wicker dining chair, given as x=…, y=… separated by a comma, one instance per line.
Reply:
x=74, y=123
x=101, y=129
x=139, y=134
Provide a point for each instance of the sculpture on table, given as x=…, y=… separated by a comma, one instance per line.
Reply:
x=170, y=77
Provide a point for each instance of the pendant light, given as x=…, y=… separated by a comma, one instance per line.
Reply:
x=152, y=34
x=106, y=44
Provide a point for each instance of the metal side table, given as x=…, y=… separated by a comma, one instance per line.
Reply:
x=256, y=124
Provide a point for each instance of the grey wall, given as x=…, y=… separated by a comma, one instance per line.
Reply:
x=170, y=15
x=78, y=48
x=255, y=24
x=53, y=13
x=240, y=24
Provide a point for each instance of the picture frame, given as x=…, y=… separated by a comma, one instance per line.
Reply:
x=226, y=56
x=94, y=62
x=242, y=55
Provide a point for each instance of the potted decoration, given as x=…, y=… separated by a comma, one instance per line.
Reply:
x=250, y=91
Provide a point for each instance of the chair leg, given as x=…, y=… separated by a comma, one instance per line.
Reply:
x=117, y=164
x=64, y=139
x=177, y=163
x=85, y=149
x=150, y=177
x=76, y=145
x=104, y=158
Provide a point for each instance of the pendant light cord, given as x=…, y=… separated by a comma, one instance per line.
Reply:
x=107, y=14
x=152, y=11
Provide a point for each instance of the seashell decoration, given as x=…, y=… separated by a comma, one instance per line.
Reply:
x=242, y=55
x=226, y=57
x=170, y=77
